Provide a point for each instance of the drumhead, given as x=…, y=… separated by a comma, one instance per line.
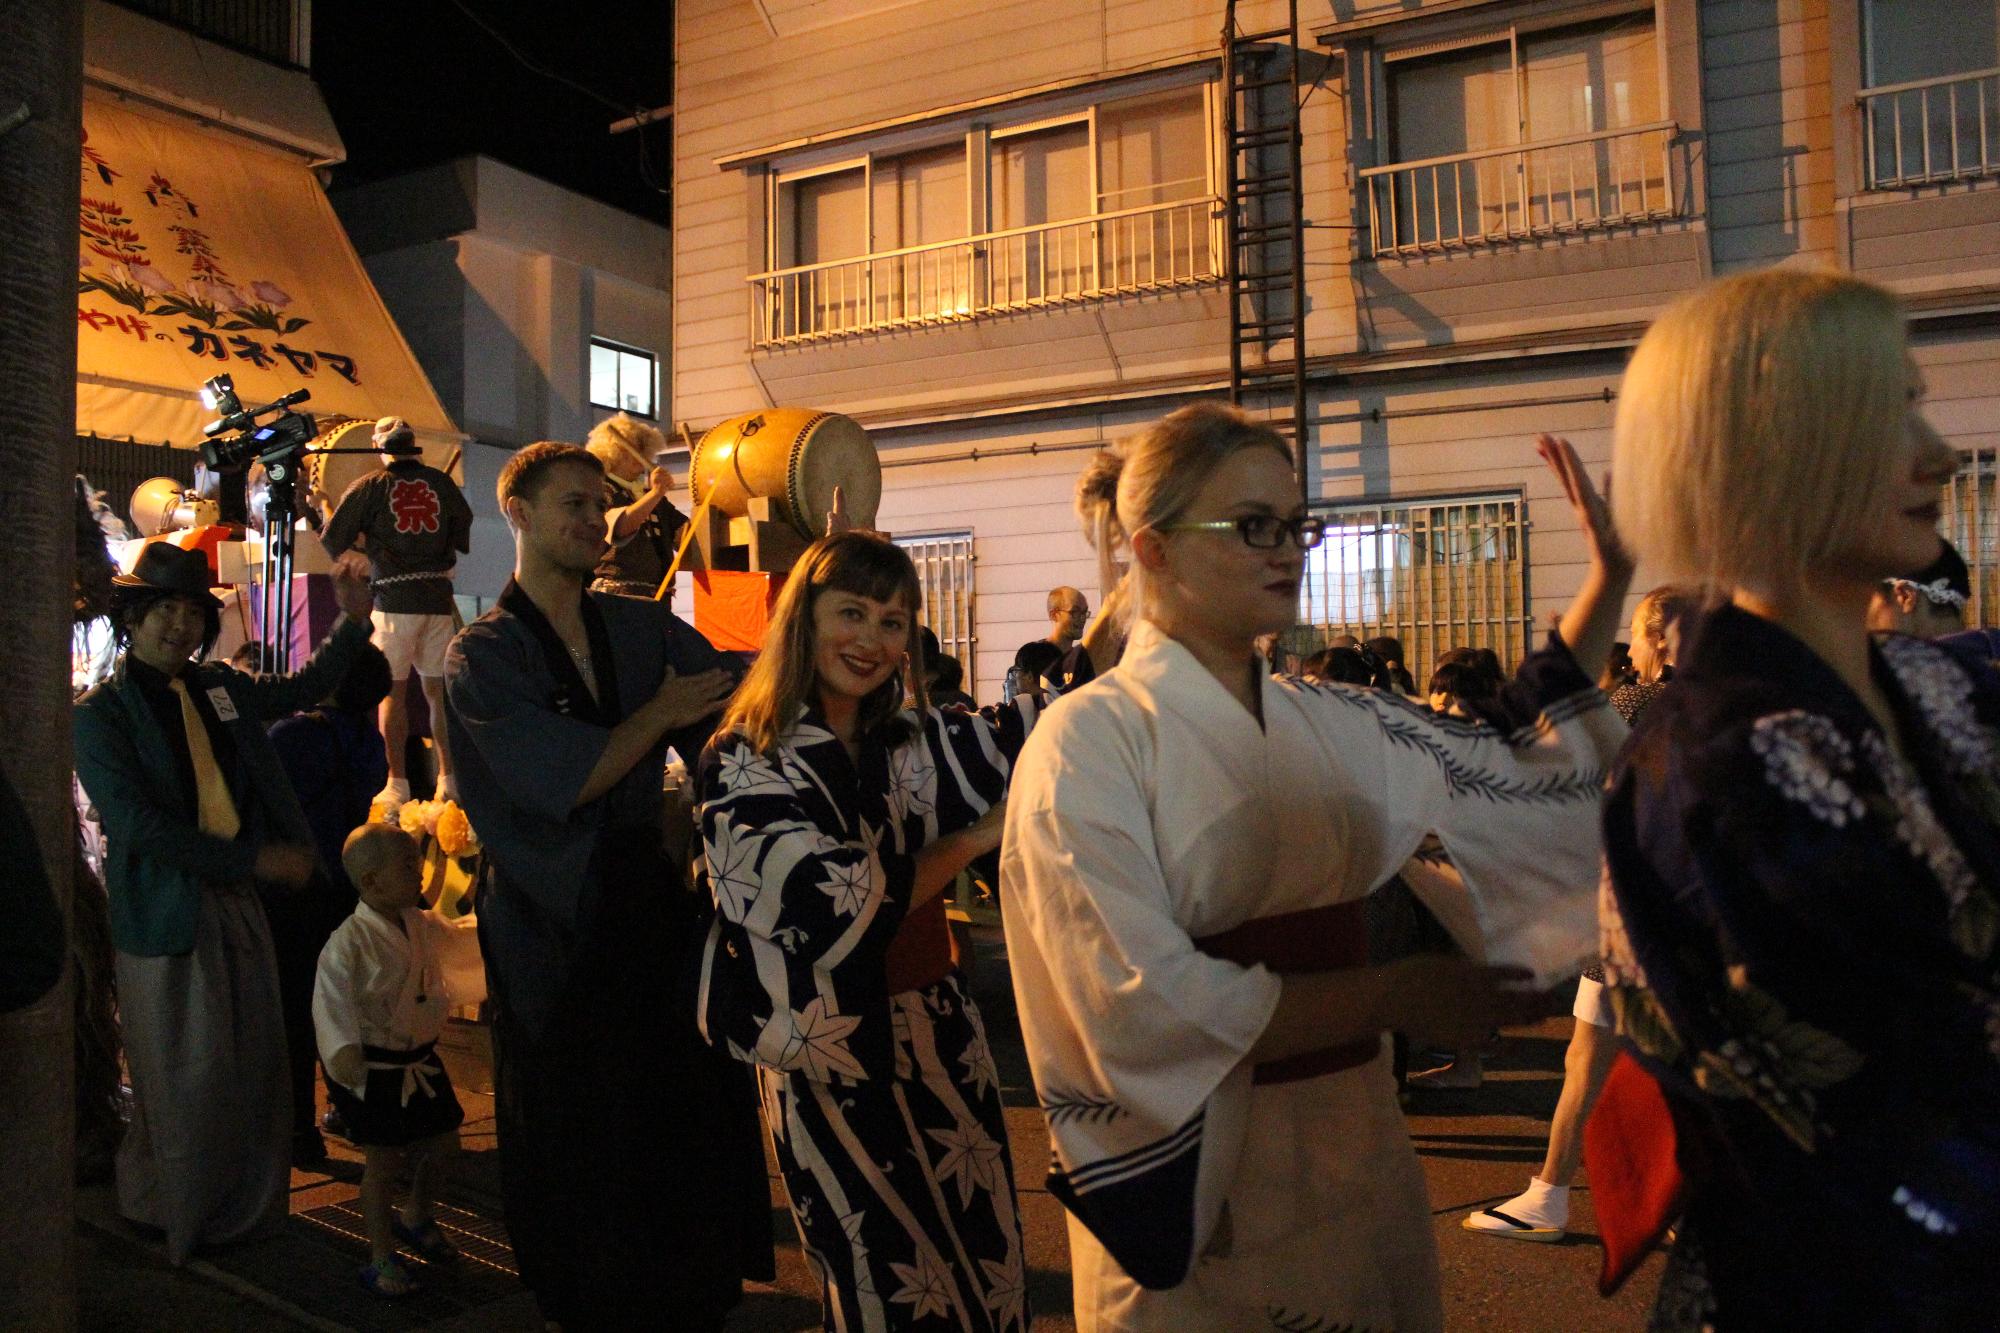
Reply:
x=833, y=451
x=332, y=474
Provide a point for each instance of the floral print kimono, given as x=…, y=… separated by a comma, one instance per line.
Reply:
x=1802, y=937
x=879, y=1089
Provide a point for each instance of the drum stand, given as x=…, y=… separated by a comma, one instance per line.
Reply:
x=763, y=542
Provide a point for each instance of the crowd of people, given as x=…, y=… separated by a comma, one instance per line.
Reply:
x=1765, y=828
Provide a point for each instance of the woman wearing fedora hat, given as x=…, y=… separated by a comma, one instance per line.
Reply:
x=197, y=814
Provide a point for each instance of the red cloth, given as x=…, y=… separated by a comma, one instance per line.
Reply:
x=1631, y=1148
x=919, y=954
x=1318, y=939
x=732, y=609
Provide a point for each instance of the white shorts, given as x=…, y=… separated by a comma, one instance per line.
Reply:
x=413, y=642
x=1592, y=1005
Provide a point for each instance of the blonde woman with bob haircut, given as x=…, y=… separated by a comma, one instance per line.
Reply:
x=1188, y=846
x=1801, y=913
x=832, y=817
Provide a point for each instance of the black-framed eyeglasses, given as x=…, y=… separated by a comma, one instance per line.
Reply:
x=1262, y=532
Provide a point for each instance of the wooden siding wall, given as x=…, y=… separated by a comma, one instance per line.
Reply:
x=1769, y=128
x=1756, y=86
x=737, y=86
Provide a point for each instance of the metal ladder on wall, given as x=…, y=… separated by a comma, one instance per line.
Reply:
x=1264, y=250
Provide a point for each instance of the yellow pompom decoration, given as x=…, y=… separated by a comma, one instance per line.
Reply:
x=454, y=830
x=411, y=818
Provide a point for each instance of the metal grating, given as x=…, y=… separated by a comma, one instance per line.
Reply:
x=1972, y=523
x=1437, y=574
x=944, y=568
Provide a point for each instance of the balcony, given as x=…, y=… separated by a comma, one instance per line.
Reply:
x=1586, y=182
x=1154, y=248
x=1932, y=130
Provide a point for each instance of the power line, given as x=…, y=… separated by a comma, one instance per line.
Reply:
x=635, y=110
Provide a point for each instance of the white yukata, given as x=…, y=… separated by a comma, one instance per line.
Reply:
x=1149, y=811
x=390, y=988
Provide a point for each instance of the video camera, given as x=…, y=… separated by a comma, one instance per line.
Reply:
x=275, y=442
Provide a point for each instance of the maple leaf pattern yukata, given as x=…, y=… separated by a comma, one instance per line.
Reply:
x=883, y=1102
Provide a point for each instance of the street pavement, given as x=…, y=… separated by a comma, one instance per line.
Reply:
x=1477, y=1148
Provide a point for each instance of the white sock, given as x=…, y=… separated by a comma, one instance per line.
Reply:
x=1541, y=1204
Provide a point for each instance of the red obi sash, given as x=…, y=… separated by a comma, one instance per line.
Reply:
x=1319, y=939
x=920, y=953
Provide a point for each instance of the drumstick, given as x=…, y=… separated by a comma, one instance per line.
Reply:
x=667, y=583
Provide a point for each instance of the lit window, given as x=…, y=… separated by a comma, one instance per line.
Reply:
x=622, y=378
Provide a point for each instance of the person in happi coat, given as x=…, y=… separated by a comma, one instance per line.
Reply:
x=642, y=525
x=1189, y=843
x=1801, y=913
x=630, y=1167
x=831, y=819
x=415, y=524
x=199, y=821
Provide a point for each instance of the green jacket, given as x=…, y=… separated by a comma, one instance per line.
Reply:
x=156, y=858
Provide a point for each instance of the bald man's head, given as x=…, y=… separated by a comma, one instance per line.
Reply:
x=386, y=866
x=1068, y=614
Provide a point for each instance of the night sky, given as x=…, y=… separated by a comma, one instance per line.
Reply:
x=427, y=84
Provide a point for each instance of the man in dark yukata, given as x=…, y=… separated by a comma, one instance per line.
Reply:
x=631, y=1167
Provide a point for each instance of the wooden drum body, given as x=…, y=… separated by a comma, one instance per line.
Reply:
x=332, y=474
x=793, y=457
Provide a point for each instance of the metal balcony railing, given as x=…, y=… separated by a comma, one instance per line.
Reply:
x=1584, y=182
x=1107, y=254
x=1932, y=130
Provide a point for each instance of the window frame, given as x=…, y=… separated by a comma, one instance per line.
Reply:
x=624, y=350
x=1513, y=625
x=978, y=136
x=1529, y=23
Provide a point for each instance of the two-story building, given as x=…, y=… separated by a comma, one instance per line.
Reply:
x=535, y=310
x=1001, y=236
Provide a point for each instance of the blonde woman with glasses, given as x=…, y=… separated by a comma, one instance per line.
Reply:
x=1802, y=908
x=1188, y=845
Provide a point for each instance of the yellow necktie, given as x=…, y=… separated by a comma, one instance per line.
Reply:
x=215, y=808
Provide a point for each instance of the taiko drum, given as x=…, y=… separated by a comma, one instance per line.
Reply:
x=793, y=456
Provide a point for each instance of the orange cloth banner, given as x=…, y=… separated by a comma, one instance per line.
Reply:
x=201, y=255
x=732, y=609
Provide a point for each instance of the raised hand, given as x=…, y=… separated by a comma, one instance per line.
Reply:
x=660, y=480
x=837, y=520
x=1593, y=510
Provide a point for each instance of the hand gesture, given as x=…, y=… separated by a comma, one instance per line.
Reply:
x=685, y=700
x=837, y=520
x=660, y=480
x=350, y=586
x=1593, y=511
x=283, y=863
x=1455, y=1003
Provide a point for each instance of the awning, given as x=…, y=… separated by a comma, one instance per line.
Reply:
x=203, y=254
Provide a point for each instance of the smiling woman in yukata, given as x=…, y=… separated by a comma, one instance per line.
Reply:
x=832, y=818
x=1187, y=847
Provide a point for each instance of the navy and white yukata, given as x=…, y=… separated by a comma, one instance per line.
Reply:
x=633, y=1178
x=879, y=1088
x=1166, y=859
x=1802, y=939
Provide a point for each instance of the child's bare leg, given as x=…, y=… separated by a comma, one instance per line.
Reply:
x=379, y=1179
x=429, y=1160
